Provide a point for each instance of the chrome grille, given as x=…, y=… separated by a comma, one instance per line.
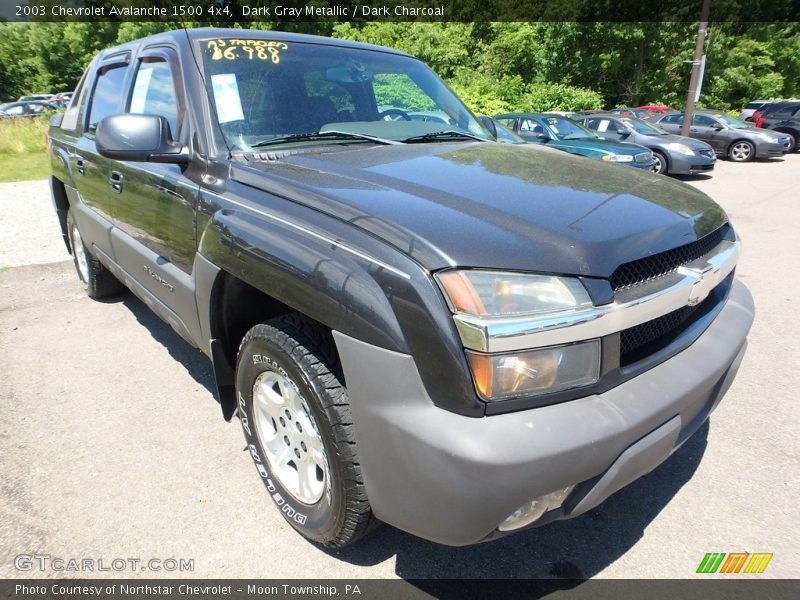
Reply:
x=636, y=337
x=663, y=263
x=645, y=339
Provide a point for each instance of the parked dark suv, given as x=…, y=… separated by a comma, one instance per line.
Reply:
x=783, y=117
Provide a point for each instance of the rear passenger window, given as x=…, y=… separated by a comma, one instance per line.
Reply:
x=154, y=93
x=107, y=96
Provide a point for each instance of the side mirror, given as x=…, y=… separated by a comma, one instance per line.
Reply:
x=542, y=136
x=138, y=138
x=717, y=127
x=623, y=133
x=55, y=120
x=488, y=125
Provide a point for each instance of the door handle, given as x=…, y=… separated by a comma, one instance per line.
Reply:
x=693, y=129
x=115, y=181
x=80, y=165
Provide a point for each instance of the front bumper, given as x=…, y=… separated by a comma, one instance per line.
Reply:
x=680, y=164
x=770, y=149
x=453, y=479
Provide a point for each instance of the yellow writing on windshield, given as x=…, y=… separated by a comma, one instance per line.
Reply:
x=232, y=49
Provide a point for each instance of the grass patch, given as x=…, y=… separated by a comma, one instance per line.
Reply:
x=24, y=167
x=22, y=149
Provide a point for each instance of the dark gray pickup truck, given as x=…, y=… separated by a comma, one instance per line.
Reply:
x=414, y=324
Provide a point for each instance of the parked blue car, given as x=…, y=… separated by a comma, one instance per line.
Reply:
x=567, y=135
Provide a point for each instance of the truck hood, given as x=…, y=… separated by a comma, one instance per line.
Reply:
x=492, y=205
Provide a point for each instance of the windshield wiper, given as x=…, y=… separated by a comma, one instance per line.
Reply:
x=443, y=136
x=320, y=136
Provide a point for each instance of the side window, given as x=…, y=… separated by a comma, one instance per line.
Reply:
x=703, y=121
x=107, y=96
x=675, y=119
x=786, y=111
x=530, y=126
x=154, y=93
x=601, y=125
x=16, y=110
x=507, y=122
x=70, y=119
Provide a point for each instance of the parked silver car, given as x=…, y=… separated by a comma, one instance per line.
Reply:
x=673, y=154
x=729, y=136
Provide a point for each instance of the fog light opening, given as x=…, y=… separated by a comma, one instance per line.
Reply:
x=533, y=510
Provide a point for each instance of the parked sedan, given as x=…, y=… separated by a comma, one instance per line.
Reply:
x=729, y=136
x=673, y=154
x=568, y=135
x=630, y=112
x=656, y=109
x=36, y=97
x=25, y=109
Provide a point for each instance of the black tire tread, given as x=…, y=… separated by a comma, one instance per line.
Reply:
x=312, y=347
x=102, y=283
x=664, y=162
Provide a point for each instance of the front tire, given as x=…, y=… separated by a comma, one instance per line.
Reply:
x=296, y=419
x=98, y=281
x=742, y=151
x=792, y=142
x=660, y=166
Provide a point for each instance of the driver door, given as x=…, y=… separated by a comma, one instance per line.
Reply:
x=533, y=132
x=707, y=129
x=156, y=203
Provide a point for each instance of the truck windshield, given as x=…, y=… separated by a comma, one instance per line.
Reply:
x=266, y=90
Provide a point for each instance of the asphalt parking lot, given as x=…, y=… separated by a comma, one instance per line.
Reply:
x=112, y=445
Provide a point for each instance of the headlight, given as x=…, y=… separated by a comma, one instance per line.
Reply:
x=540, y=371
x=617, y=158
x=680, y=148
x=495, y=293
x=499, y=295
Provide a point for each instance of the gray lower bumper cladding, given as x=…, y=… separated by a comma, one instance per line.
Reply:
x=453, y=479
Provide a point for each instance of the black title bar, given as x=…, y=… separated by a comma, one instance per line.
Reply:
x=282, y=11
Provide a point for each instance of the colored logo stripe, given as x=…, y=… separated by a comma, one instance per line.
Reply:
x=758, y=563
x=711, y=562
x=734, y=563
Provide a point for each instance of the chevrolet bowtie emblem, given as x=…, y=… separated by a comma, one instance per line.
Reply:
x=707, y=279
